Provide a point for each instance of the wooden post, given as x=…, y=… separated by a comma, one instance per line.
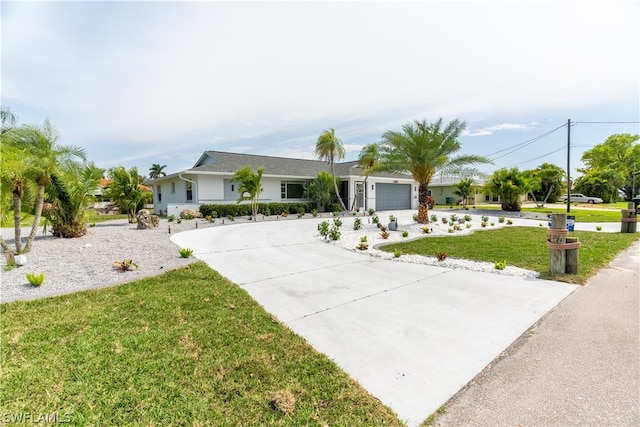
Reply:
x=629, y=220
x=572, y=255
x=557, y=239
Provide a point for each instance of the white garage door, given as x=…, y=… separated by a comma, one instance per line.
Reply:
x=393, y=196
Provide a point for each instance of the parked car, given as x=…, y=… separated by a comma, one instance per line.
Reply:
x=581, y=198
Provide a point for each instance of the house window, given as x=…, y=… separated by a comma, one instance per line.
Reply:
x=487, y=198
x=189, y=191
x=173, y=188
x=291, y=190
x=496, y=198
x=159, y=190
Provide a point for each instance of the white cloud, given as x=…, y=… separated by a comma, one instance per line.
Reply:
x=489, y=130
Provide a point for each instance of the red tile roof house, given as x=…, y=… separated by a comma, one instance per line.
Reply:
x=209, y=182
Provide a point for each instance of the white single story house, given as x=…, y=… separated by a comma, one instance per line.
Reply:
x=209, y=182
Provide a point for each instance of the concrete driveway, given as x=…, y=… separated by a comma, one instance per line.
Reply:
x=412, y=335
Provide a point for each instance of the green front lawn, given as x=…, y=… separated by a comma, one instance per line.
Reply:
x=522, y=247
x=185, y=348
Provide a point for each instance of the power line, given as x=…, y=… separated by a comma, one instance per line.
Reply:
x=524, y=144
x=607, y=123
x=540, y=157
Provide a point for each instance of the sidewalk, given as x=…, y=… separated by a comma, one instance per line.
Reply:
x=579, y=366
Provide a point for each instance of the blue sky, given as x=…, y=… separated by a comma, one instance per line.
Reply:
x=137, y=83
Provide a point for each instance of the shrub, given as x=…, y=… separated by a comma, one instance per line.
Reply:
x=125, y=265
x=384, y=234
x=363, y=239
x=450, y=230
x=598, y=227
x=337, y=222
x=467, y=218
x=397, y=252
x=433, y=218
x=405, y=233
x=500, y=265
x=441, y=256
x=493, y=223
x=426, y=230
x=357, y=224
x=375, y=220
x=185, y=252
x=190, y=214
x=453, y=217
x=363, y=246
x=301, y=211
x=484, y=218
x=314, y=212
x=35, y=279
x=415, y=217
x=323, y=228
x=483, y=224
x=509, y=222
x=501, y=219
x=468, y=225
x=371, y=212
x=392, y=218
x=171, y=218
x=334, y=233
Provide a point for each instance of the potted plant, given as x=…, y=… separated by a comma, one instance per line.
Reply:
x=393, y=222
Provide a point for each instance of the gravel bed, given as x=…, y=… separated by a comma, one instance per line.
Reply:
x=71, y=265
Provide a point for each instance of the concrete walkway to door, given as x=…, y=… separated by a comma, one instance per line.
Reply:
x=412, y=335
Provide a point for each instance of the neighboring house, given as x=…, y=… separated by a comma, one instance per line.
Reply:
x=283, y=180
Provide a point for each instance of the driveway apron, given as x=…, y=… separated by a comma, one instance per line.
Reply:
x=412, y=335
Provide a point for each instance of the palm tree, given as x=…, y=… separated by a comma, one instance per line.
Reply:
x=329, y=147
x=422, y=149
x=250, y=186
x=47, y=158
x=126, y=192
x=156, y=171
x=67, y=197
x=510, y=185
x=368, y=161
x=463, y=189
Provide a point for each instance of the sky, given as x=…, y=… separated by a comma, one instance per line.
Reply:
x=138, y=83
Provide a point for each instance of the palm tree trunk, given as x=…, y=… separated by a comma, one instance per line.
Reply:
x=17, y=210
x=335, y=187
x=36, y=219
x=423, y=203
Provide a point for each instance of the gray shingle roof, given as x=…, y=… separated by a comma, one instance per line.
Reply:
x=224, y=162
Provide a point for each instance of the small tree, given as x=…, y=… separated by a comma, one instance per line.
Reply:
x=464, y=190
x=67, y=196
x=125, y=190
x=250, y=186
x=329, y=147
x=510, y=185
x=320, y=190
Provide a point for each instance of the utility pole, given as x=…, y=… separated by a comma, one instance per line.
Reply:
x=568, y=165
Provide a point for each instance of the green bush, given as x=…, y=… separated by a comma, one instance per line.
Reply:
x=35, y=279
x=185, y=252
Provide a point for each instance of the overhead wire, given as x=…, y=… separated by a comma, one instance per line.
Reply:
x=523, y=144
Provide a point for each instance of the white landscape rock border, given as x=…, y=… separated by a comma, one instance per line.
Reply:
x=350, y=238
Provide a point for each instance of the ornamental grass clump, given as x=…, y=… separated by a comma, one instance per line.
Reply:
x=185, y=252
x=35, y=279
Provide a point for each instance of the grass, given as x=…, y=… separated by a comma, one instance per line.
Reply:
x=522, y=247
x=184, y=348
x=582, y=215
x=26, y=219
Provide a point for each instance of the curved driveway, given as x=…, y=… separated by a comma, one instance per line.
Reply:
x=412, y=335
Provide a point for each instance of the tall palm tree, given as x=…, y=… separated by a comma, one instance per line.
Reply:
x=422, y=149
x=156, y=171
x=329, y=147
x=46, y=158
x=368, y=161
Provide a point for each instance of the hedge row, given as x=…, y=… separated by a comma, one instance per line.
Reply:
x=266, y=209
